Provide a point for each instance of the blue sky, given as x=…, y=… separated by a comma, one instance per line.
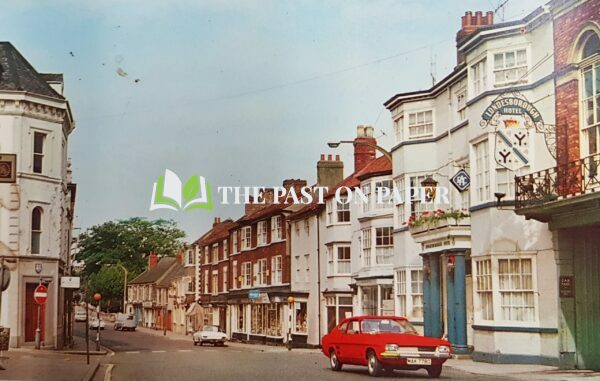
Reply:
x=241, y=92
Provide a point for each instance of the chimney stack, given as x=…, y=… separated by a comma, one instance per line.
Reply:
x=152, y=260
x=217, y=221
x=469, y=25
x=330, y=172
x=363, y=153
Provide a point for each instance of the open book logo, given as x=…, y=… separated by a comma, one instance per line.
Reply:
x=168, y=193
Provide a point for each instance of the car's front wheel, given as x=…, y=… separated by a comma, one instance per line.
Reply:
x=373, y=364
x=434, y=371
x=334, y=362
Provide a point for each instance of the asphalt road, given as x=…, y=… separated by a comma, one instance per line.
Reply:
x=145, y=356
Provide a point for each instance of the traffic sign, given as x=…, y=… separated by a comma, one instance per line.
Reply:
x=40, y=294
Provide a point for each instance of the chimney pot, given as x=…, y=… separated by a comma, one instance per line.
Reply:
x=337, y=157
x=328, y=157
x=322, y=156
x=360, y=131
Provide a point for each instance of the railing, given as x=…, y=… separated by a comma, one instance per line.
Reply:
x=563, y=181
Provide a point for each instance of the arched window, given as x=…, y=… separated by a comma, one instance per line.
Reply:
x=36, y=230
x=589, y=48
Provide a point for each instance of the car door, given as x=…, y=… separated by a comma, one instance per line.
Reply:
x=353, y=343
x=337, y=336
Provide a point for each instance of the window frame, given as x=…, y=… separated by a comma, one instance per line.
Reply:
x=428, y=131
x=38, y=155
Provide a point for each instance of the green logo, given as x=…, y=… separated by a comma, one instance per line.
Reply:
x=169, y=193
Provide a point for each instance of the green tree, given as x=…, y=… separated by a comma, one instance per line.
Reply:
x=109, y=283
x=127, y=242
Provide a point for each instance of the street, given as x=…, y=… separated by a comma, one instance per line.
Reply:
x=144, y=355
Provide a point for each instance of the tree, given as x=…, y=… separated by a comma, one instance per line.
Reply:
x=127, y=242
x=109, y=283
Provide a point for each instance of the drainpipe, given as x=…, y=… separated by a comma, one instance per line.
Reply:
x=319, y=274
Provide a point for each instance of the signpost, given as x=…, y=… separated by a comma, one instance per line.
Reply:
x=40, y=296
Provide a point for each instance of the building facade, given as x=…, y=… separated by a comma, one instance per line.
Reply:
x=36, y=212
x=565, y=195
x=480, y=267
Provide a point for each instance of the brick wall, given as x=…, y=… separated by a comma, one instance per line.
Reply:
x=567, y=28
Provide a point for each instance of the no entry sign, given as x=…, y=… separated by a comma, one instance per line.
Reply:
x=40, y=294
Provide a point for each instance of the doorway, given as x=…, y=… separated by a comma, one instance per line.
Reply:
x=31, y=314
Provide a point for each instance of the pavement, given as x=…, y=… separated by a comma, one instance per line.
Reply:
x=149, y=355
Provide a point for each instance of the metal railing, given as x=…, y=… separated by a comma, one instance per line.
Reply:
x=563, y=181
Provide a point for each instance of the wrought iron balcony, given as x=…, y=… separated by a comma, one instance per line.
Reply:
x=561, y=182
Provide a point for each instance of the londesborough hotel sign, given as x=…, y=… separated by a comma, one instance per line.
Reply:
x=512, y=117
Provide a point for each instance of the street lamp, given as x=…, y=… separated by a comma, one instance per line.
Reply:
x=119, y=265
x=430, y=187
x=385, y=152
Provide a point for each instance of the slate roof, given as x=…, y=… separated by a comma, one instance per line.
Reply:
x=157, y=273
x=17, y=74
x=171, y=275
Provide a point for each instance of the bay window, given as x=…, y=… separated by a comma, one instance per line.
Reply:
x=482, y=171
x=409, y=292
x=510, y=67
x=384, y=245
x=420, y=124
x=338, y=260
x=385, y=199
x=366, y=246
x=505, y=289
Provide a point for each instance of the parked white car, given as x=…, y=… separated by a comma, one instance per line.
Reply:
x=209, y=334
x=95, y=322
x=125, y=323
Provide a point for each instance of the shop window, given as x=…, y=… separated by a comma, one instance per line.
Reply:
x=338, y=309
x=273, y=319
x=241, y=317
x=300, y=317
x=416, y=282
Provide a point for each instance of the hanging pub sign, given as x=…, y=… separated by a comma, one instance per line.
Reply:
x=513, y=117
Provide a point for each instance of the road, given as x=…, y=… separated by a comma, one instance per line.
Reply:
x=147, y=356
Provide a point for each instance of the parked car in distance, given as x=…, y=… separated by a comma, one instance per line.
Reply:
x=384, y=343
x=209, y=334
x=125, y=323
x=80, y=315
x=94, y=323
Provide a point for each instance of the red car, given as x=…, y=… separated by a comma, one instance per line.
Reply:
x=384, y=343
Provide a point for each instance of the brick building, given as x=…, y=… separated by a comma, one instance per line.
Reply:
x=566, y=196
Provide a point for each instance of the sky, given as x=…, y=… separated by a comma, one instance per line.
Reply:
x=240, y=92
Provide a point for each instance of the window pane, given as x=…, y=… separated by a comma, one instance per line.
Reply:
x=588, y=84
x=498, y=61
x=521, y=57
x=509, y=59
x=38, y=142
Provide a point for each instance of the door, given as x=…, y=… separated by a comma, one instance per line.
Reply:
x=223, y=319
x=587, y=298
x=353, y=344
x=31, y=314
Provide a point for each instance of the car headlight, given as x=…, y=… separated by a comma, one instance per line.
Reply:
x=443, y=349
x=391, y=347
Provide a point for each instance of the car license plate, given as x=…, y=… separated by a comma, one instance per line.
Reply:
x=416, y=361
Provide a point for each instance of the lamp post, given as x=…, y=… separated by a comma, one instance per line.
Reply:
x=385, y=152
x=290, y=301
x=98, y=298
x=119, y=265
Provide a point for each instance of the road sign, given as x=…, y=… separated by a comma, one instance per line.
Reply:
x=253, y=294
x=40, y=294
x=70, y=282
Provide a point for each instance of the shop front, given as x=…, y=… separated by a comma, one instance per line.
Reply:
x=338, y=306
x=376, y=296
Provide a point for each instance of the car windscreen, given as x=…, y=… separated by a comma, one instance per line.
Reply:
x=374, y=326
x=211, y=328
